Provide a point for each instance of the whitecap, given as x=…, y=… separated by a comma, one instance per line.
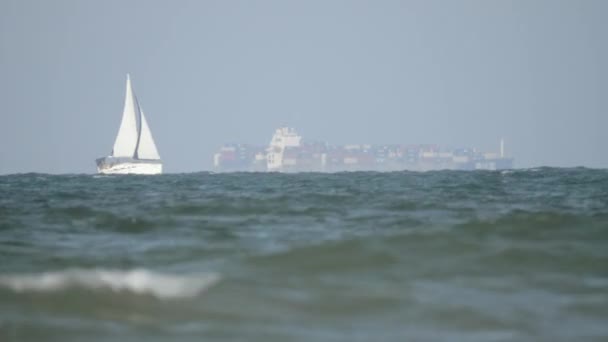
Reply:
x=138, y=281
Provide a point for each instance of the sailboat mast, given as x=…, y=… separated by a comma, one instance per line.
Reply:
x=135, y=155
x=138, y=120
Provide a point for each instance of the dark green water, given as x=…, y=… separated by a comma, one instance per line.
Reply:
x=438, y=256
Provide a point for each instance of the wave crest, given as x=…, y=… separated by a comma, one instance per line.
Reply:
x=138, y=281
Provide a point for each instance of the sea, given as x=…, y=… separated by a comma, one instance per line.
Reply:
x=515, y=255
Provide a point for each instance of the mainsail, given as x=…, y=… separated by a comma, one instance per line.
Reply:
x=134, y=139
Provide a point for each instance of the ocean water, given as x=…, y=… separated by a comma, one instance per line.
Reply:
x=438, y=256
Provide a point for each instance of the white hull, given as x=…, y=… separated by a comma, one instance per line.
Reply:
x=132, y=168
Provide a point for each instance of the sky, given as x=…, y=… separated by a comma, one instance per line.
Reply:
x=454, y=73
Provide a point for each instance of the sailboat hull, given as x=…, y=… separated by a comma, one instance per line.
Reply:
x=125, y=166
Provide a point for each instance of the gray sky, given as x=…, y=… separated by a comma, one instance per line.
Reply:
x=455, y=73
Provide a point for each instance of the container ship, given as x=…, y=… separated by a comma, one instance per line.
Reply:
x=288, y=152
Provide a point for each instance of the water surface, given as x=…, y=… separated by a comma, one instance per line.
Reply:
x=436, y=256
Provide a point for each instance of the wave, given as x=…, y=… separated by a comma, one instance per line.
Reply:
x=138, y=281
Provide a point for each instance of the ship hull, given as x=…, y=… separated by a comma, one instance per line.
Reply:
x=128, y=166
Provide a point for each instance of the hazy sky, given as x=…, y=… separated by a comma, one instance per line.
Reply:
x=455, y=73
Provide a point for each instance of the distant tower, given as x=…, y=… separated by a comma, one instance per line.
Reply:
x=502, y=148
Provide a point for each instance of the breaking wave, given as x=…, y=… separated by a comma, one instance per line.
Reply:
x=138, y=281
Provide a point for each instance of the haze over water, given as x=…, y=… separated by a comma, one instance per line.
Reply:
x=453, y=73
x=436, y=256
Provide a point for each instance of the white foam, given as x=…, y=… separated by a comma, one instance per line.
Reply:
x=139, y=281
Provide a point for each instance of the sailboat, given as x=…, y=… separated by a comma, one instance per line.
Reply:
x=134, y=149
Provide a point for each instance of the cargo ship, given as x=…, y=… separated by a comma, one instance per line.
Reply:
x=288, y=152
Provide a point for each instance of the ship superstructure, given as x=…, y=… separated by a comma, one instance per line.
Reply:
x=283, y=139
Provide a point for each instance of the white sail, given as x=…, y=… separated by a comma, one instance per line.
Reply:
x=126, y=140
x=146, y=149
